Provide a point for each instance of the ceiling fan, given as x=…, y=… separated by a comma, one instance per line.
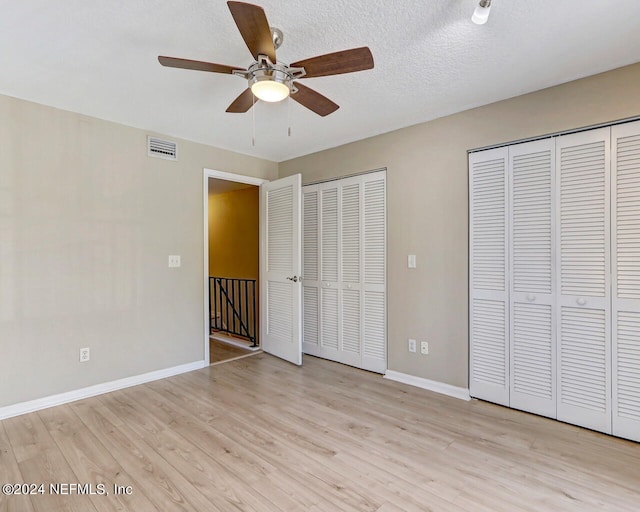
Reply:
x=270, y=80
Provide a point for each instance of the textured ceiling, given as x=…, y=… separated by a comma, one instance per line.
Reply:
x=99, y=57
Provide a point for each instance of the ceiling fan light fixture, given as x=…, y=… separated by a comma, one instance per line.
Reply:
x=267, y=89
x=269, y=82
x=481, y=14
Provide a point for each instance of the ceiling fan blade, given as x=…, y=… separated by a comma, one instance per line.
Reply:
x=172, y=62
x=314, y=101
x=254, y=29
x=242, y=103
x=347, y=61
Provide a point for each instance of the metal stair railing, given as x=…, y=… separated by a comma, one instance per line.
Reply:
x=232, y=307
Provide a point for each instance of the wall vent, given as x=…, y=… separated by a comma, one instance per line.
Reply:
x=162, y=148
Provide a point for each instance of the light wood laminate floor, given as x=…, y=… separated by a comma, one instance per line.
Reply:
x=220, y=351
x=262, y=435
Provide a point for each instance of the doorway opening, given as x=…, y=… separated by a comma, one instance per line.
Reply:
x=232, y=265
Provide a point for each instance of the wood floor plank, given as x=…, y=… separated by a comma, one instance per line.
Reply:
x=10, y=474
x=211, y=478
x=41, y=462
x=259, y=434
x=92, y=462
x=220, y=351
x=166, y=488
x=237, y=459
x=240, y=445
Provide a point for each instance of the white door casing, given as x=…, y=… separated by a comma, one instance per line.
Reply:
x=219, y=175
x=281, y=268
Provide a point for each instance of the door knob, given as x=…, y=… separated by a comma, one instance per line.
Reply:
x=531, y=297
x=294, y=279
x=582, y=301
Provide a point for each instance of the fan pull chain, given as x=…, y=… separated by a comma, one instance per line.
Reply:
x=289, y=115
x=253, y=115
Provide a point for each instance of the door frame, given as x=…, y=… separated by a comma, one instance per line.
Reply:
x=219, y=175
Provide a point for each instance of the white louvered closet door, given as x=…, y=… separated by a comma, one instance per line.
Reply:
x=329, y=269
x=625, y=186
x=583, y=264
x=310, y=271
x=344, y=279
x=489, y=306
x=374, y=278
x=351, y=300
x=532, y=304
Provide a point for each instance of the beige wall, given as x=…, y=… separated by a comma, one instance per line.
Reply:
x=87, y=221
x=427, y=204
x=234, y=234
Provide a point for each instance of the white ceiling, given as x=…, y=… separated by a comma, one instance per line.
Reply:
x=99, y=57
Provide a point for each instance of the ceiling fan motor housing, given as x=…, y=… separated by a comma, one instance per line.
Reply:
x=265, y=71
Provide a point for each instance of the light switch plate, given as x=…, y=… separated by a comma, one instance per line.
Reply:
x=174, y=261
x=411, y=261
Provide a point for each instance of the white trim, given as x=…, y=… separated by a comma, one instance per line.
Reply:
x=230, y=176
x=236, y=358
x=219, y=175
x=99, y=389
x=431, y=385
x=228, y=340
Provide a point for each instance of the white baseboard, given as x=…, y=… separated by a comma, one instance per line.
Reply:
x=10, y=411
x=232, y=341
x=431, y=385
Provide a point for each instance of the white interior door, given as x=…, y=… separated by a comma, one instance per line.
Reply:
x=344, y=255
x=488, y=278
x=311, y=271
x=281, y=265
x=625, y=215
x=532, y=304
x=583, y=279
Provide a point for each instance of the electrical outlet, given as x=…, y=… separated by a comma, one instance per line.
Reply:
x=174, y=261
x=85, y=354
x=424, y=347
x=412, y=345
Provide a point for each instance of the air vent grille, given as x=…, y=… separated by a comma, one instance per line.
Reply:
x=160, y=148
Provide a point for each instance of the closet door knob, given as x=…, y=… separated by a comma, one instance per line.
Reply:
x=531, y=297
x=582, y=301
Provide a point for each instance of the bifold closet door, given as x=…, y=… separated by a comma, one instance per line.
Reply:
x=329, y=271
x=532, y=303
x=374, y=276
x=349, y=286
x=310, y=271
x=344, y=271
x=488, y=286
x=583, y=264
x=625, y=186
